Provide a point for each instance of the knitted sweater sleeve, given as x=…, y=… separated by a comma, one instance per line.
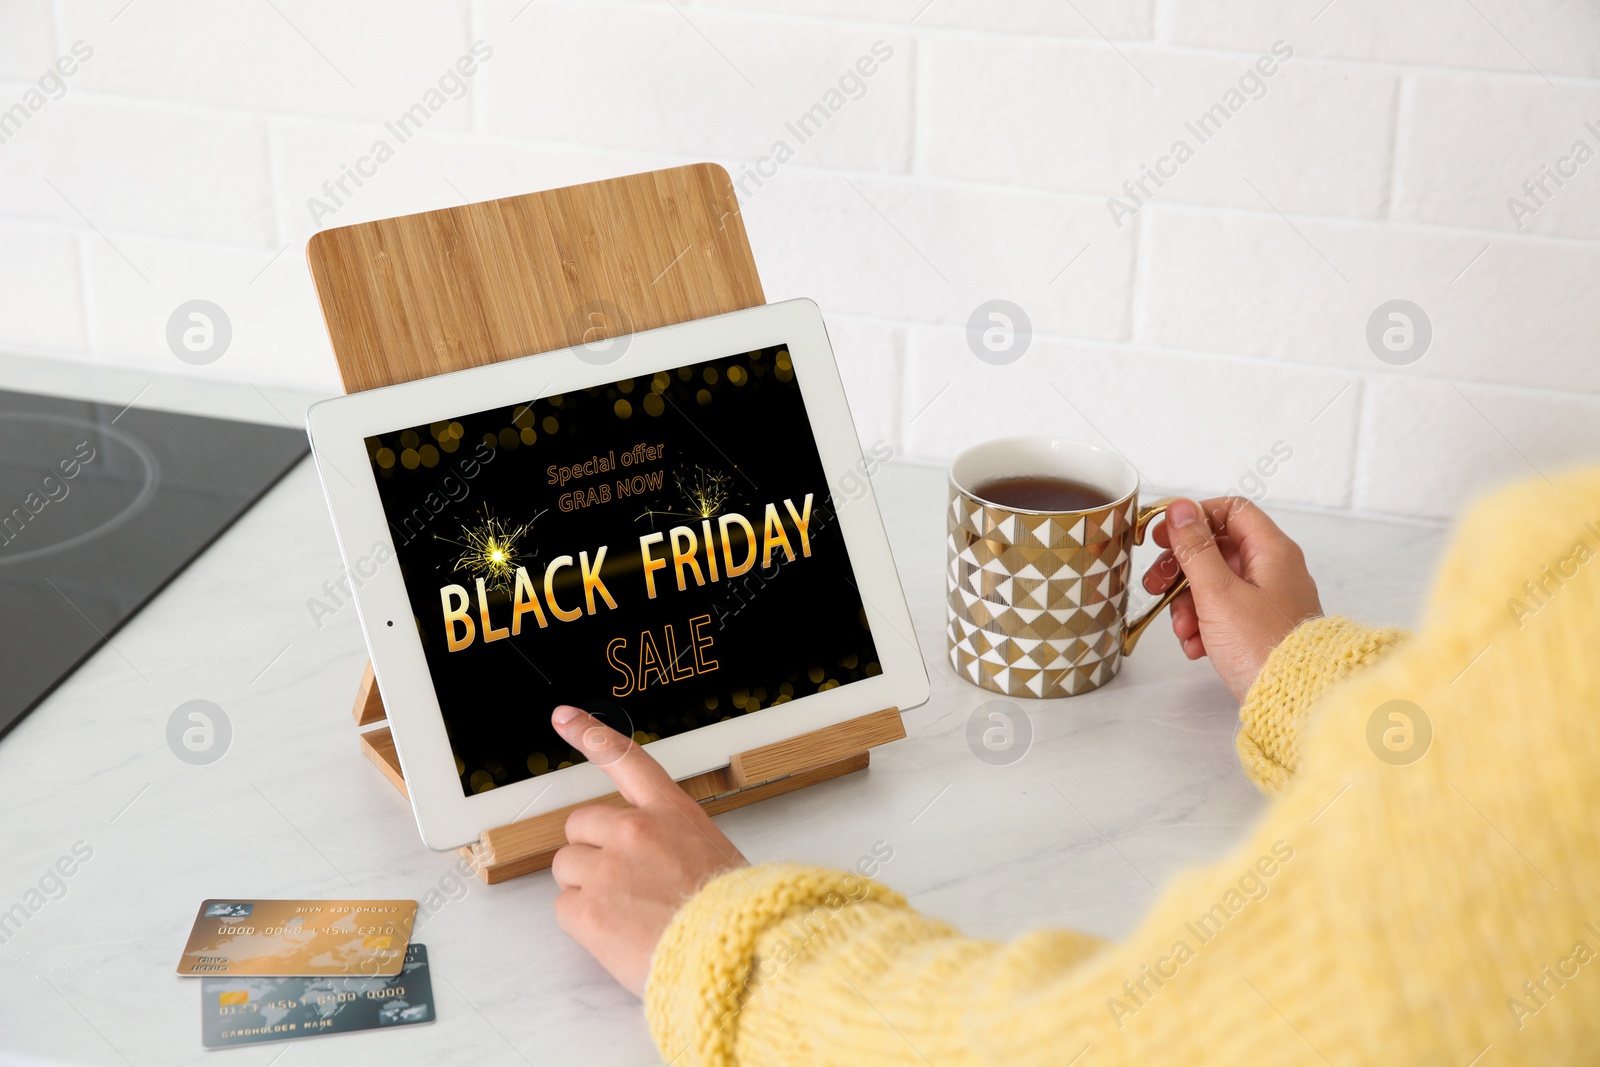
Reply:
x=738, y=976
x=1316, y=655
x=740, y=971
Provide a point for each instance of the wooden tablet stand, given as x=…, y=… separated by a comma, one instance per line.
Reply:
x=420, y=295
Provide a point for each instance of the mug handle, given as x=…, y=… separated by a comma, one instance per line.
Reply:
x=1133, y=629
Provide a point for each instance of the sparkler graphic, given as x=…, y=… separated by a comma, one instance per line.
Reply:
x=704, y=492
x=489, y=550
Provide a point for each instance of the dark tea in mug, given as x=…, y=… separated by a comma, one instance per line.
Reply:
x=1042, y=493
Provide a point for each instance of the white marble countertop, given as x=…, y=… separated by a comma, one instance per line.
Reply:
x=1120, y=789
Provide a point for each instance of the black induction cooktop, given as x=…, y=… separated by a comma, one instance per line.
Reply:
x=101, y=507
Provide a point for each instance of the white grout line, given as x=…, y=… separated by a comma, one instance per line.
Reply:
x=1381, y=371
x=1095, y=200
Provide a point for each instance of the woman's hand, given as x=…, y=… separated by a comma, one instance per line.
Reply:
x=625, y=870
x=1248, y=584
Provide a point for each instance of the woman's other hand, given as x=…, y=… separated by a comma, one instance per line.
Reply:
x=1248, y=584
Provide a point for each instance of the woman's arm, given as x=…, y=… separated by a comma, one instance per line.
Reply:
x=1415, y=910
x=780, y=963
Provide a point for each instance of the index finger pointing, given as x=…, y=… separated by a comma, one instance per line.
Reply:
x=641, y=780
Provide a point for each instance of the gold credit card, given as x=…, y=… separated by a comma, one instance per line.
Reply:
x=299, y=938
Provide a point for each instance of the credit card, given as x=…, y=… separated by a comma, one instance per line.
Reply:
x=299, y=938
x=247, y=1011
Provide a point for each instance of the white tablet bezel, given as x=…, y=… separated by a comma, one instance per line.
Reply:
x=338, y=429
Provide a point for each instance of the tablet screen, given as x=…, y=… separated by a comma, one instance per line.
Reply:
x=662, y=551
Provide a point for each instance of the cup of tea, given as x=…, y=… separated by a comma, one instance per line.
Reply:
x=1041, y=536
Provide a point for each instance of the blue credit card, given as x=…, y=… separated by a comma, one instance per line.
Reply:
x=246, y=1011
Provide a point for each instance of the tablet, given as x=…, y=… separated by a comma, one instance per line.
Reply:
x=675, y=530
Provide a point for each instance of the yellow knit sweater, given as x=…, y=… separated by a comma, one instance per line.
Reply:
x=1425, y=888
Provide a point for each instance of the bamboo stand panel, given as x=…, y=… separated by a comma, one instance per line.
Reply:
x=420, y=295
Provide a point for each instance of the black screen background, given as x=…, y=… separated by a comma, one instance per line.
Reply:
x=779, y=633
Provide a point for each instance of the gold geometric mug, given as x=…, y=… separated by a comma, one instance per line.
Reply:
x=1037, y=600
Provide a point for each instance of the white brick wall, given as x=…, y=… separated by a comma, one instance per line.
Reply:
x=1227, y=312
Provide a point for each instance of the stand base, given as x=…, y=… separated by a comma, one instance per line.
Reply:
x=530, y=845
